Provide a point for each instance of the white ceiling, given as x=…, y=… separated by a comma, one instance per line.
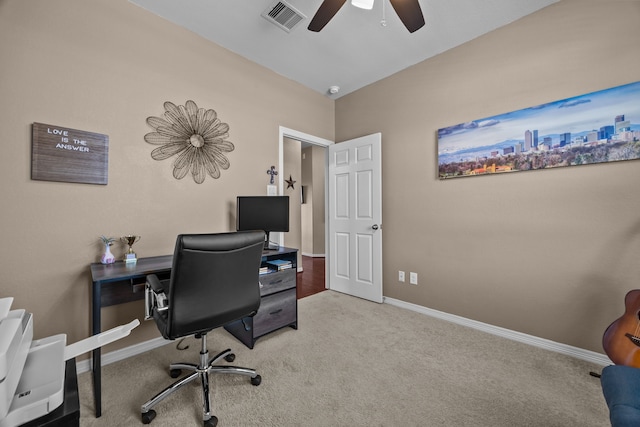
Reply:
x=354, y=49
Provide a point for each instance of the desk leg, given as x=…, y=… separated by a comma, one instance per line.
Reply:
x=97, y=382
x=97, y=362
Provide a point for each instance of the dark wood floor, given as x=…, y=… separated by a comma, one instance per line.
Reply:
x=311, y=279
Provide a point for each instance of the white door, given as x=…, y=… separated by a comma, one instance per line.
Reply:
x=355, y=217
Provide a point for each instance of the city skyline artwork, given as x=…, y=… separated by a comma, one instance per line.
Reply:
x=597, y=127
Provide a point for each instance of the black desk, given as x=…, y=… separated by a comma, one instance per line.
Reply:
x=118, y=283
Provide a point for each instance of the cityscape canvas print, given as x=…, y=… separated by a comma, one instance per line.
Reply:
x=597, y=127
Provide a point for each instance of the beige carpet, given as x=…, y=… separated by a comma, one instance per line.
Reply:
x=357, y=363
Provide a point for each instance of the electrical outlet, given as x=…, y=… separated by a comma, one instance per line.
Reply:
x=413, y=278
x=401, y=276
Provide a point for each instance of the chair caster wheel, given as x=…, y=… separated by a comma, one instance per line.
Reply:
x=230, y=357
x=257, y=380
x=175, y=373
x=147, y=417
x=211, y=422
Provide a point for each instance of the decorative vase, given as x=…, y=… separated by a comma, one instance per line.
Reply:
x=107, y=257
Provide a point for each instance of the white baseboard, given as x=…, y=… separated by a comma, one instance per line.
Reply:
x=117, y=355
x=578, y=353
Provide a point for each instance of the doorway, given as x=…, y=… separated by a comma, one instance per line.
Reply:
x=353, y=201
x=310, y=258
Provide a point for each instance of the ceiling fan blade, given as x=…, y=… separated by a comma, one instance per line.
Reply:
x=325, y=12
x=409, y=13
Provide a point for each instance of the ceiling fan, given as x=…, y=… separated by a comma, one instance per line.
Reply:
x=408, y=11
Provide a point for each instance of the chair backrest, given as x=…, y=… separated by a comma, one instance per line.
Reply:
x=214, y=281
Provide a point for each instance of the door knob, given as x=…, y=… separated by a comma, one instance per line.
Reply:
x=375, y=226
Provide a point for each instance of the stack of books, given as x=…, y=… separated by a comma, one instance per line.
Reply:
x=264, y=270
x=280, y=264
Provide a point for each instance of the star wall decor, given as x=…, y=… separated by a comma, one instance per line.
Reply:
x=290, y=182
x=195, y=135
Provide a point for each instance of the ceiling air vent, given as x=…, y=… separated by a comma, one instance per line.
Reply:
x=283, y=15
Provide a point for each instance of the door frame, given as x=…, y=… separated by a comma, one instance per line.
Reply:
x=284, y=132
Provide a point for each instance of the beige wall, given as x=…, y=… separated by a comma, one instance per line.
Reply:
x=292, y=154
x=105, y=66
x=313, y=211
x=306, y=209
x=319, y=163
x=548, y=253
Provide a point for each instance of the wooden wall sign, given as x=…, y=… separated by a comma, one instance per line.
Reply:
x=68, y=155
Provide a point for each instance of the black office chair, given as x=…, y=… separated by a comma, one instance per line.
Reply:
x=214, y=281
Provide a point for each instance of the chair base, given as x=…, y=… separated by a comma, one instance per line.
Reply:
x=202, y=372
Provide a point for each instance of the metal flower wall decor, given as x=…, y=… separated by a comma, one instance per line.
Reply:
x=195, y=135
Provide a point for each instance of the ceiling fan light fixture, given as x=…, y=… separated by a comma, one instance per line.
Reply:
x=363, y=4
x=408, y=11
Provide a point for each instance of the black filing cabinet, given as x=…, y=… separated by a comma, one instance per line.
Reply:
x=278, y=303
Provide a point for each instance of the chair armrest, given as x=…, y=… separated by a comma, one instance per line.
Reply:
x=154, y=297
x=155, y=284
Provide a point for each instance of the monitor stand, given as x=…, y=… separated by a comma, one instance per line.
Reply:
x=267, y=243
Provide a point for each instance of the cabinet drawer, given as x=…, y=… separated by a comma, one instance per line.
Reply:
x=275, y=311
x=277, y=281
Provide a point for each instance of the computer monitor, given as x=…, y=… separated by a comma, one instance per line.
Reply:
x=267, y=213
